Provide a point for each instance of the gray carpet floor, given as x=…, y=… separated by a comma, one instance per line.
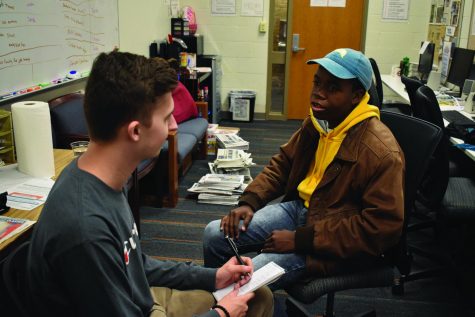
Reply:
x=176, y=234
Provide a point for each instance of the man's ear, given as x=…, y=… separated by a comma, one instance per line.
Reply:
x=133, y=130
x=358, y=95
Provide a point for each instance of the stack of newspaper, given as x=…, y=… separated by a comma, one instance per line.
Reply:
x=230, y=158
x=232, y=162
x=231, y=141
x=220, y=189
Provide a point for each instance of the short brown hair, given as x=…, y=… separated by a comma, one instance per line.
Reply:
x=123, y=87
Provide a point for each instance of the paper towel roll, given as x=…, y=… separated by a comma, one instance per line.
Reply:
x=33, y=140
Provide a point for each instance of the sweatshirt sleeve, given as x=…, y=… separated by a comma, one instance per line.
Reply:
x=178, y=275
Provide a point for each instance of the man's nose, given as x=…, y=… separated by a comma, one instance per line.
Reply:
x=318, y=94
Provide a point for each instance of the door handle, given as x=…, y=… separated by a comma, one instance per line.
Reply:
x=296, y=42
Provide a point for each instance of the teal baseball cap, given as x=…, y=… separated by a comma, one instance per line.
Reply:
x=347, y=63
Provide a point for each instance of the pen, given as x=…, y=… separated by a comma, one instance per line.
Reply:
x=235, y=251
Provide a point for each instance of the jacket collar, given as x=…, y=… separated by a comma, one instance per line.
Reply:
x=349, y=148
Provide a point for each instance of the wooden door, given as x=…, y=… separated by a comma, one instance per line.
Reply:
x=321, y=30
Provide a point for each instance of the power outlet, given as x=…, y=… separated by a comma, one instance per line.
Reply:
x=263, y=26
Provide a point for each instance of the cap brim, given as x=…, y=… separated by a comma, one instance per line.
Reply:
x=334, y=68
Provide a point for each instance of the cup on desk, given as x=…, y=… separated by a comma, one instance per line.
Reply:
x=396, y=71
x=79, y=147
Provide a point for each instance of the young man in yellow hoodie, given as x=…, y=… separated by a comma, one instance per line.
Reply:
x=341, y=175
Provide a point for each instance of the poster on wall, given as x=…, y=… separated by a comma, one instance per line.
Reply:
x=337, y=3
x=175, y=8
x=446, y=51
x=252, y=8
x=328, y=3
x=223, y=7
x=395, y=10
x=319, y=3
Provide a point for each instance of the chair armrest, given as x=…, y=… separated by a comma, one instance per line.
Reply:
x=202, y=109
x=172, y=198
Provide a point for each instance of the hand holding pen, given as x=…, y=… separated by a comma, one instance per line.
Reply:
x=234, y=248
x=234, y=272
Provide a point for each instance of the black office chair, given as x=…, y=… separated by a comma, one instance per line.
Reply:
x=378, y=89
x=14, y=279
x=411, y=87
x=374, y=96
x=434, y=184
x=449, y=200
x=377, y=78
x=68, y=122
x=418, y=140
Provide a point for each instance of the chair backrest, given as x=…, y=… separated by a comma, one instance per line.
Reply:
x=411, y=87
x=418, y=140
x=68, y=121
x=377, y=79
x=373, y=96
x=435, y=181
x=427, y=107
x=14, y=277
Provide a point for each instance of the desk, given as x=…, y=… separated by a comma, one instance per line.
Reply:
x=395, y=84
x=61, y=159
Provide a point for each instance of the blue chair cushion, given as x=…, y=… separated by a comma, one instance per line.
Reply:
x=196, y=127
x=186, y=143
x=69, y=118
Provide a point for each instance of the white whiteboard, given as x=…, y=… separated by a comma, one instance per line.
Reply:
x=42, y=40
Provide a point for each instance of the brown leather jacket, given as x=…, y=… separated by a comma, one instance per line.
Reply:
x=356, y=212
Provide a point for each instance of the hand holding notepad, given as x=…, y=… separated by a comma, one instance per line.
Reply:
x=265, y=275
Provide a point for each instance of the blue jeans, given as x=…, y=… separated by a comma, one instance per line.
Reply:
x=283, y=216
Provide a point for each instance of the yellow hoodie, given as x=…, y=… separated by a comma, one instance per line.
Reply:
x=329, y=144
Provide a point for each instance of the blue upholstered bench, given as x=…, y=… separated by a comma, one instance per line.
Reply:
x=189, y=141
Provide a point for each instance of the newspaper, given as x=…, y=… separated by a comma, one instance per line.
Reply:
x=218, y=199
x=447, y=102
x=221, y=189
x=233, y=158
x=245, y=171
x=197, y=188
x=222, y=180
x=29, y=195
x=11, y=226
x=264, y=276
x=231, y=141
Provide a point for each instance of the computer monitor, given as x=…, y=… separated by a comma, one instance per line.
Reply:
x=426, y=59
x=472, y=72
x=462, y=60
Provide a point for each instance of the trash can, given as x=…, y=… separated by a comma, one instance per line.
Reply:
x=241, y=104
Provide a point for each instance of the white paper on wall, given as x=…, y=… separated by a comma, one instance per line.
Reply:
x=252, y=8
x=223, y=7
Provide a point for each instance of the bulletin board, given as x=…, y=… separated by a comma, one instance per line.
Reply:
x=41, y=41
